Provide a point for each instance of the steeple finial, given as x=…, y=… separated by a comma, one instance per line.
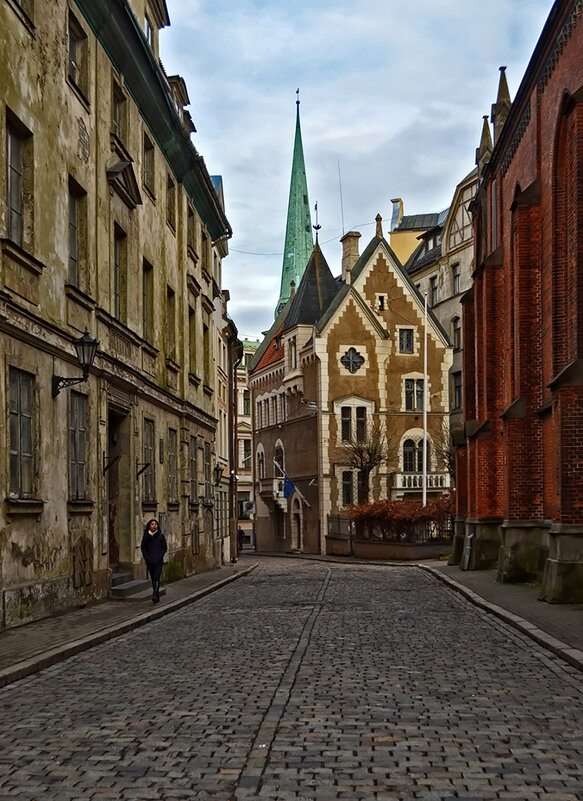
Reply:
x=502, y=105
x=297, y=97
x=484, y=151
x=379, y=222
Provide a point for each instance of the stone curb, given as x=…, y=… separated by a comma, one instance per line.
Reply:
x=36, y=663
x=573, y=656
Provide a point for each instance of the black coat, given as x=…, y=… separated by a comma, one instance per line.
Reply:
x=153, y=546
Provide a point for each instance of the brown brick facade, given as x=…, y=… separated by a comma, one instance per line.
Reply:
x=522, y=463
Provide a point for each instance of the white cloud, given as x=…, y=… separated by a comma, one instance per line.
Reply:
x=394, y=91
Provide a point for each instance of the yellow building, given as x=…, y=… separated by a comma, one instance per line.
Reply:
x=109, y=223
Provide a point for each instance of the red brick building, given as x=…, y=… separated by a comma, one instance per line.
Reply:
x=520, y=472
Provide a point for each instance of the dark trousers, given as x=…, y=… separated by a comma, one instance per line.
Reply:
x=154, y=570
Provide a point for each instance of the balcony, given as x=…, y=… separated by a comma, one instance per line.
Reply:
x=413, y=482
x=271, y=493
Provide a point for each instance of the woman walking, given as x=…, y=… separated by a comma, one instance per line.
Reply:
x=153, y=549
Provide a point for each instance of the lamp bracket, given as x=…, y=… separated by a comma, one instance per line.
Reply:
x=60, y=383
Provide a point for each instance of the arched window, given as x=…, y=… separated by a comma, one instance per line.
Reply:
x=413, y=456
x=278, y=456
x=456, y=330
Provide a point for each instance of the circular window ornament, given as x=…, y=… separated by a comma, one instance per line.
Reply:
x=352, y=360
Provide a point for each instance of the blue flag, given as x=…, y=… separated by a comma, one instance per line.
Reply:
x=288, y=487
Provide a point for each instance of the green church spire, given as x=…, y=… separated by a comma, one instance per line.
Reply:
x=298, y=232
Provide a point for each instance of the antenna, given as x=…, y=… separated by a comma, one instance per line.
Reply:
x=341, y=203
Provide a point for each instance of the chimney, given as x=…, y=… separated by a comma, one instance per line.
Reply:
x=397, y=214
x=349, y=253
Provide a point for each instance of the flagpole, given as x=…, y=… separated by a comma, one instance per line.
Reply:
x=425, y=405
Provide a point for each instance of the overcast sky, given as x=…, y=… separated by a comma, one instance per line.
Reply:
x=392, y=99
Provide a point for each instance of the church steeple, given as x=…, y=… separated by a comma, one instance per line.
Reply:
x=298, y=232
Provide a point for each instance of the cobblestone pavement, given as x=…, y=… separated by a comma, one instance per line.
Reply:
x=303, y=680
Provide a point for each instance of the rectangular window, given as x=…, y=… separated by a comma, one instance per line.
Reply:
x=170, y=323
x=15, y=184
x=457, y=333
x=455, y=279
x=119, y=274
x=148, y=302
x=148, y=460
x=360, y=423
x=171, y=202
x=193, y=466
x=172, y=483
x=346, y=423
x=246, y=403
x=148, y=164
x=457, y=390
x=191, y=340
x=119, y=110
x=246, y=454
x=274, y=416
x=77, y=234
x=149, y=31
x=259, y=415
x=77, y=443
x=77, y=67
x=414, y=394
x=347, y=488
x=406, y=340
x=433, y=297
x=190, y=229
x=21, y=387
x=361, y=488
x=207, y=471
x=206, y=348
x=73, y=239
x=381, y=300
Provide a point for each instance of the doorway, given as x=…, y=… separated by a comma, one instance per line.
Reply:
x=118, y=474
x=296, y=526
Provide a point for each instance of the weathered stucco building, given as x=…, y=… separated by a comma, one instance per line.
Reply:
x=110, y=224
x=520, y=474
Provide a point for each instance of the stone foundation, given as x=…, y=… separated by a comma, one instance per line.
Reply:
x=563, y=572
x=523, y=551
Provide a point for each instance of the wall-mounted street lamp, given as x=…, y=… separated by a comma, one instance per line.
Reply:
x=311, y=405
x=86, y=348
x=218, y=471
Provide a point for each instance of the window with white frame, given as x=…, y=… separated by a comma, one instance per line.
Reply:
x=77, y=442
x=414, y=392
x=405, y=340
x=353, y=423
x=413, y=455
x=20, y=399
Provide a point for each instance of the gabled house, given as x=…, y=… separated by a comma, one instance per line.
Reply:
x=343, y=366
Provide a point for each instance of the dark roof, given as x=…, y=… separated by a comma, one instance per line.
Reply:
x=270, y=335
x=421, y=258
x=417, y=222
x=316, y=291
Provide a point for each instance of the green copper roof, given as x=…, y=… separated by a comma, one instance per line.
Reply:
x=298, y=232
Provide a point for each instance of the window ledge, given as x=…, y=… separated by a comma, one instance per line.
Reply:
x=208, y=389
x=80, y=507
x=173, y=506
x=32, y=507
x=194, y=379
x=24, y=18
x=21, y=256
x=77, y=295
x=149, y=506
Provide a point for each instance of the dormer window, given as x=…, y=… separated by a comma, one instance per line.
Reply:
x=149, y=31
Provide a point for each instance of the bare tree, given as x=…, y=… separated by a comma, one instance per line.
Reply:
x=366, y=454
x=444, y=449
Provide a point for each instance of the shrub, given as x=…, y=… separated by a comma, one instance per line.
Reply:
x=403, y=520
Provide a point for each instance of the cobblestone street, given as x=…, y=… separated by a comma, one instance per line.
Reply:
x=304, y=680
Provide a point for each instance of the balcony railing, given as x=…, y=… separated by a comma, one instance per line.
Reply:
x=413, y=482
x=271, y=487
